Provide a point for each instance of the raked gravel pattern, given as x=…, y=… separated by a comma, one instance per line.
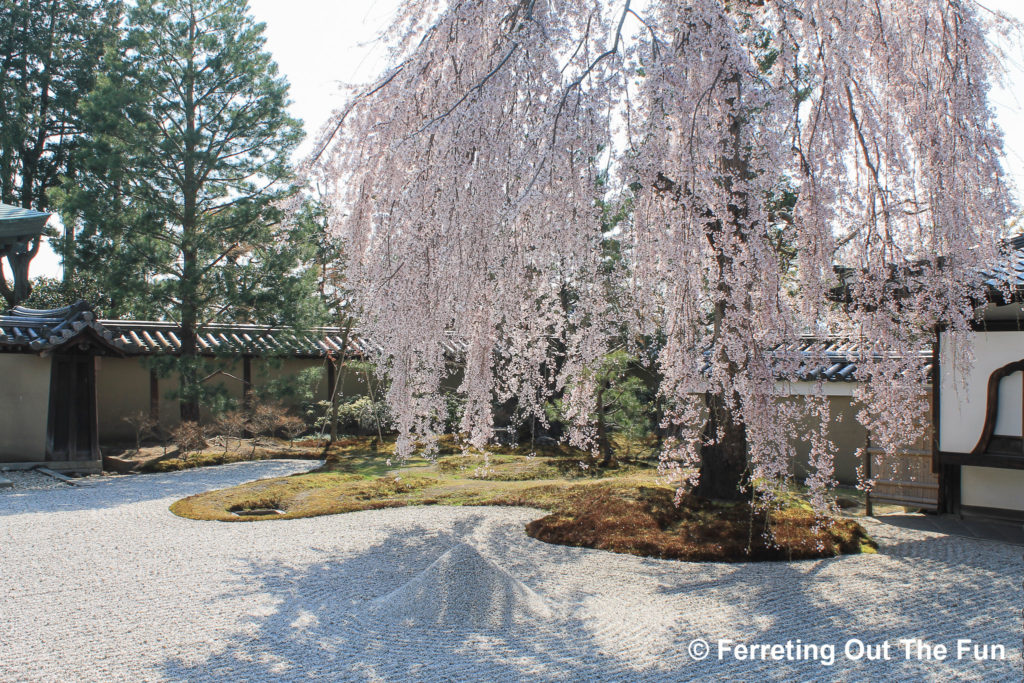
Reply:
x=25, y=480
x=102, y=583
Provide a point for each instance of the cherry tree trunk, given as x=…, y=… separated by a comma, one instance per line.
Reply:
x=723, y=461
x=603, y=442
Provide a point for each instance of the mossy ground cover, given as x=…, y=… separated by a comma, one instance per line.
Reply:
x=215, y=457
x=625, y=509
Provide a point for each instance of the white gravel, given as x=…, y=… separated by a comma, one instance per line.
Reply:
x=461, y=589
x=25, y=480
x=102, y=583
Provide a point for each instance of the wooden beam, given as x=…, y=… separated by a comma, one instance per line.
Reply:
x=154, y=398
x=246, y=378
x=1006, y=462
x=56, y=475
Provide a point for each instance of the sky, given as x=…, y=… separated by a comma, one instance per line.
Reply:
x=321, y=44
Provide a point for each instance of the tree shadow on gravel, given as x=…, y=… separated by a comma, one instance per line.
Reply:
x=914, y=589
x=110, y=492
x=322, y=628
x=1008, y=533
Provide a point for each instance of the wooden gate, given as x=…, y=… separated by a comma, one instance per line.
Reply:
x=71, y=431
x=905, y=478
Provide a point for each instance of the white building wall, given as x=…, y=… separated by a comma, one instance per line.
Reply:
x=991, y=487
x=1011, y=393
x=962, y=415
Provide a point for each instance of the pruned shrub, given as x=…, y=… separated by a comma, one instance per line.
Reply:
x=189, y=437
x=265, y=418
x=292, y=427
x=143, y=424
x=232, y=424
x=270, y=419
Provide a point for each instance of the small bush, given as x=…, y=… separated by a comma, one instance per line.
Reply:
x=265, y=418
x=262, y=420
x=189, y=437
x=232, y=425
x=359, y=416
x=144, y=426
x=292, y=427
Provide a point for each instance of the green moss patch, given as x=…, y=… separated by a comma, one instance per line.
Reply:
x=304, y=495
x=625, y=510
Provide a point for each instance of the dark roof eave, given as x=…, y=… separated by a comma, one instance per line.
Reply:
x=19, y=224
x=87, y=335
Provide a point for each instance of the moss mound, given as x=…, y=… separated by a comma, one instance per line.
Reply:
x=645, y=521
x=624, y=510
x=301, y=495
x=499, y=467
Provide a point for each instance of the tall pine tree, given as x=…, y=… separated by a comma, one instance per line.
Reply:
x=50, y=51
x=186, y=167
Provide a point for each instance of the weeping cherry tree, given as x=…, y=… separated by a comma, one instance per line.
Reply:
x=763, y=144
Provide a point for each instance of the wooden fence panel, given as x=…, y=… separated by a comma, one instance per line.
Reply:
x=905, y=478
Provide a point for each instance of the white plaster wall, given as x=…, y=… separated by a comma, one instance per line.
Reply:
x=24, y=407
x=992, y=487
x=1011, y=393
x=122, y=389
x=963, y=406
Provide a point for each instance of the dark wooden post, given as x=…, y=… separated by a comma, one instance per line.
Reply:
x=246, y=379
x=154, y=398
x=948, y=475
x=94, y=399
x=936, y=403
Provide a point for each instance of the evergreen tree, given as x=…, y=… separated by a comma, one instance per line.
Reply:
x=327, y=261
x=187, y=164
x=49, y=54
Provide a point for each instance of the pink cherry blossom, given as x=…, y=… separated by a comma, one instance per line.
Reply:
x=466, y=182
